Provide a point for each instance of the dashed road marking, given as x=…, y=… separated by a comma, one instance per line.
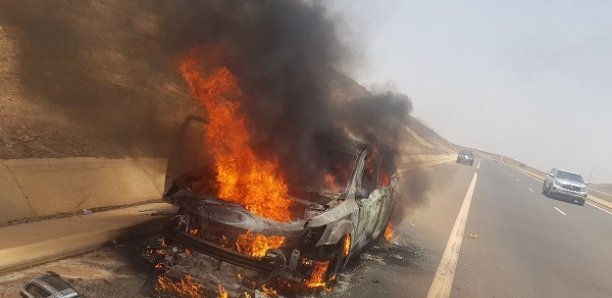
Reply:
x=560, y=211
x=517, y=179
x=531, y=190
x=478, y=165
x=443, y=280
x=604, y=210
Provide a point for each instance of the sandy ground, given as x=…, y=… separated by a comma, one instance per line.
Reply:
x=115, y=271
x=85, y=79
x=121, y=271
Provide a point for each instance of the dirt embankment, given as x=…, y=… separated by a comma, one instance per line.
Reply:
x=98, y=78
x=86, y=78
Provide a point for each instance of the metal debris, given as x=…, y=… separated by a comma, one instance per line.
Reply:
x=373, y=258
x=472, y=235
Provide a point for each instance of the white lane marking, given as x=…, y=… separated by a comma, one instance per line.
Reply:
x=604, y=210
x=560, y=211
x=443, y=280
x=531, y=190
x=517, y=180
x=478, y=165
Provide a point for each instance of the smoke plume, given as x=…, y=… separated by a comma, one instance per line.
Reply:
x=284, y=54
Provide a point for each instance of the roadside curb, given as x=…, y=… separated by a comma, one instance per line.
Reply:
x=33, y=243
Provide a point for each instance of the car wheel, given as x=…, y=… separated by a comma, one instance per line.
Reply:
x=548, y=190
x=340, y=258
x=581, y=202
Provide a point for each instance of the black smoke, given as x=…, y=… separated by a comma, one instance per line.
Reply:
x=284, y=54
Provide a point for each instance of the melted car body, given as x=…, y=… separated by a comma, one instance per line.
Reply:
x=328, y=226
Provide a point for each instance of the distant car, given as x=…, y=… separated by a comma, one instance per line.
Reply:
x=466, y=157
x=566, y=185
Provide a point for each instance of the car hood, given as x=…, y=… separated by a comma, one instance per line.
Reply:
x=231, y=214
x=570, y=182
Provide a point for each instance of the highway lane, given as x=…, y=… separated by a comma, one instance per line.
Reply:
x=530, y=245
x=517, y=242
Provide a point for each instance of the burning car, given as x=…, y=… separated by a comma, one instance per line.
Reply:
x=325, y=225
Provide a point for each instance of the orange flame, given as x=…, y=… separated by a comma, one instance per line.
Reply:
x=331, y=183
x=389, y=232
x=346, y=246
x=256, y=245
x=185, y=288
x=385, y=179
x=268, y=291
x=222, y=292
x=317, y=278
x=243, y=177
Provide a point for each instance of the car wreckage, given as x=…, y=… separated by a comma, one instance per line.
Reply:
x=330, y=225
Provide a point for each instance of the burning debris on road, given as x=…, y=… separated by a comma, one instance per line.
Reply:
x=181, y=274
x=185, y=287
x=389, y=232
x=186, y=274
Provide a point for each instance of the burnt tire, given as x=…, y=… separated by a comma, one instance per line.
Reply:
x=338, y=262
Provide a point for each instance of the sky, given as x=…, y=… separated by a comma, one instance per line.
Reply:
x=527, y=79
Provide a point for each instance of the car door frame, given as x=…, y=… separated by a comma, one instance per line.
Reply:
x=387, y=201
x=369, y=208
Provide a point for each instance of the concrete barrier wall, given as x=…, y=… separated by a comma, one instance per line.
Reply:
x=39, y=187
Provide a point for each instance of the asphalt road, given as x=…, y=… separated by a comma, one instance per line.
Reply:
x=516, y=242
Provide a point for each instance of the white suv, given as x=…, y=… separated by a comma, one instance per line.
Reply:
x=566, y=185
